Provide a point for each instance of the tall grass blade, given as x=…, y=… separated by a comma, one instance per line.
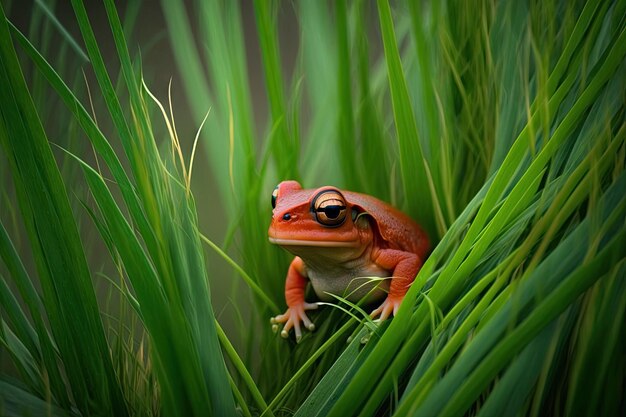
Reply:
x=59, y=255
x=421, y=199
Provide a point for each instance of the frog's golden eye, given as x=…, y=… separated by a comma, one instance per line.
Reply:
x=330, y=208
x=274, y=197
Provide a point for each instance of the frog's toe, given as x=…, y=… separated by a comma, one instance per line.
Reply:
x=292, y=319
x=288, y=325
x=384, y=310
x=281, y=318
x=307, y=323
x=387, y=308
x=292, y=322
x=305, y=319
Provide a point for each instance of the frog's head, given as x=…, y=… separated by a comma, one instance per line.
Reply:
x=319, y=217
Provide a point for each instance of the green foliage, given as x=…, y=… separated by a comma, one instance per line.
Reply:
x=499, y=126
x=61, y=263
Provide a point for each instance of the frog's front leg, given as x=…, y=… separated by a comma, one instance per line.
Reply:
x=405, y=266
x=295, y=286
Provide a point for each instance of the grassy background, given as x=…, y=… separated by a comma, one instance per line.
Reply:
x=499, y=126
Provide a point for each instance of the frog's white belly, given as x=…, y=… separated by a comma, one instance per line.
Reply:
x=352, y=280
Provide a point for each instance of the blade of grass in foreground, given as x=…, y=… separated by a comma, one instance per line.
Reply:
x=520, y=378
x=61, y=262
x=324, y=395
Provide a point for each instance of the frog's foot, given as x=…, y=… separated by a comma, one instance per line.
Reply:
x=292, y=318
x=388, y=307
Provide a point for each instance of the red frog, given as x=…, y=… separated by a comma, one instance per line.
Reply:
x=341, y=240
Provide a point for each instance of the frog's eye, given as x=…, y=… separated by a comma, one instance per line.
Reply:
x=274, y=197
x=330, y=208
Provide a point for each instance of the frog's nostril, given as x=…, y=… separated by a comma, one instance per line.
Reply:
x=286, y=216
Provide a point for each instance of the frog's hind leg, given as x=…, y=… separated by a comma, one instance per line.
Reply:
x=405, y=266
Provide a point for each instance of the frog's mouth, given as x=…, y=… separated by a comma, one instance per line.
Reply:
x=316, y=243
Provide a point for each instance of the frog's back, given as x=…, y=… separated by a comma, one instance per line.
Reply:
x=397, y=229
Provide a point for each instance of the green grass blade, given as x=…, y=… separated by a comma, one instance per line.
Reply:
x=352, y=170
x=513, y=390
x=66, y=35
x=61, y=262
x=309, y=362
x=598, y=349
x=285, y=145
x=374, y=142
x=560, y=206
x=241, y=368
x=185, y=393
x=421, y=200
x=226, y=58
x=330, y=387
x=253, y=286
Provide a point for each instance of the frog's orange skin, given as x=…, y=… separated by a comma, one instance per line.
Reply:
x=341, y=240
